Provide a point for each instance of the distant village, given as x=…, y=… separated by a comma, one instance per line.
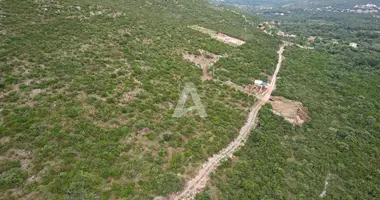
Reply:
x=267, y=27
x=368, y=8
x=271, y=29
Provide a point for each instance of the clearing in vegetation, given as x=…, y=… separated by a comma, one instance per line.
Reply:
x=219, y=36
x=204, y=61
x=292, y=111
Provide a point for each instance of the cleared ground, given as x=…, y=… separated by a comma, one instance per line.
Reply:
x=204, y=61
x=292, y=111
x=219, y=36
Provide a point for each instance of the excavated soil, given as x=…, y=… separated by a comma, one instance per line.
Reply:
x=292, y=111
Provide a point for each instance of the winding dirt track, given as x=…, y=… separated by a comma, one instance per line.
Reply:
x=199, y=182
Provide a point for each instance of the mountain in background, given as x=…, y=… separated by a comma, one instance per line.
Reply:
x=298, y=3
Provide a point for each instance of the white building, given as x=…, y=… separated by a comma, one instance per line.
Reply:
x=354, y=45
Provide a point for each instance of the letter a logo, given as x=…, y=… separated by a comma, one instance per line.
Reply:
x=180, y=110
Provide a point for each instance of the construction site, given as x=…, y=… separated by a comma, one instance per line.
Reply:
x=292, y=111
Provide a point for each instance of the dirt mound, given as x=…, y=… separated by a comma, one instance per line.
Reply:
x=254, y=89
x=292, y=111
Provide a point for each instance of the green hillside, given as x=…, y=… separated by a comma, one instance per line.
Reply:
x=339, y=84
x=88, y=90
x=67, y=130
x=340, y=142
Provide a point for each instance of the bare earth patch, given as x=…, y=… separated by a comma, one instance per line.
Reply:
x=24, y=156
x=130, y=96
x=147, y=41
x=292, y=111
x=4, y=140
x=35, y=92
x=31, y=82
x=204, y=61
x=31, y=195
x=84, y=47
x=254, y=89
x=15, y=88
x=124, y=31
x=219, y=36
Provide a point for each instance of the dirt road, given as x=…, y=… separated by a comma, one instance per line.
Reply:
x=199, y=182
